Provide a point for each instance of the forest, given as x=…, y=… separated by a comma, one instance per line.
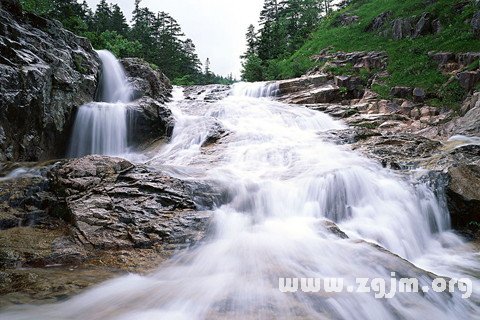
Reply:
x=155, y=37
x=284, y=25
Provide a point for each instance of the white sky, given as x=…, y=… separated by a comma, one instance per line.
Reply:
x=217, y=27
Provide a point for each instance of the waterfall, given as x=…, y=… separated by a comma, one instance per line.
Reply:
x=256, y=89
x=101, y=127
x=287, y=184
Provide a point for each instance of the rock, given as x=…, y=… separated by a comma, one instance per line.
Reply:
x=400, y=151
x=469, y=124
x=346, y=19
x=301, y=84
x=348, y=82
x=437, y=26
x=463, y=195
x=424, y=25
x=149, y=120
x=465, y=59
x=406, y=108
x=145, y=80
x=401, y=92
x=419, y=95
x=475, y=23
x=116, y=205
x=46, y=72
x=13, y=6
x=471, y=102
x=442, y=58
x=214, y=135
x=468, y=79
x=379, y=22
x=402, y=28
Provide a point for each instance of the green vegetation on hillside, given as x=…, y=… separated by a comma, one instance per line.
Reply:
x=408, y=60
x=156, y=38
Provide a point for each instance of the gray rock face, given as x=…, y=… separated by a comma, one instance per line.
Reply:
x=146, y=81
x=101, y=204
x=402, y=28
x=149, y=120
x=401, y=92
x=46, y=72
x=475, y=23
x=470, y=123
x=464, y=195
x=115, y=205
x=346, y=20
x=379, y=22
x=468, y=79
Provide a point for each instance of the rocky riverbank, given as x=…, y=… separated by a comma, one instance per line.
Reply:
x=94, y=213
x=403, y=134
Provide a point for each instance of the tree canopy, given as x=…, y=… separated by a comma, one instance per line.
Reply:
x=155, y=37
x=284, y=27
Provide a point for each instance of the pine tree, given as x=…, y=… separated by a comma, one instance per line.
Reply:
x=118, y=21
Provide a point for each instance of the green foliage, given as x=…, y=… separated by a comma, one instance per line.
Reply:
x=408, y=62
x=157, y=38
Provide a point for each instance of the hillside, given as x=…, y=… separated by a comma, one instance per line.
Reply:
x=407, y=31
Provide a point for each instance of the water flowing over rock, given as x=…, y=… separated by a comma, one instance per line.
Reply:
x=101, y=127
x=295, y=204
x=46, y=72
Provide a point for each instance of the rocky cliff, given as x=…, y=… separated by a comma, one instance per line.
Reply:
x=46, y=72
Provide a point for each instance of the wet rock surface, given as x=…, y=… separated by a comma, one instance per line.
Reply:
x=146, y=81
x=94, y=214
x=46, y=72
x=149, y=120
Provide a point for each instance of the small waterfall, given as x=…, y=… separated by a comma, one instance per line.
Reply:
x=101, y=127
x=256, y=89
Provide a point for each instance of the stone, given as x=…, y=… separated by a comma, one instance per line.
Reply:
x=146, y=81
x=470, y=123
x=419, y=95
x=348, y=82
x=401, y=92
x=406, y=108
x=442, y=58
x=346, y=19
x=468, y=79
x=437, y=26
x=13, y=6
x=463, y=194
x=46, y=73
x=379, y=22
x=471, y=102
x=116, y=205
x=424, y=25
x=149, y=121
x=402, y=28
x=475, y=23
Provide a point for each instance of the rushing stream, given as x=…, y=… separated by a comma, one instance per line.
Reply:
x=286, y=182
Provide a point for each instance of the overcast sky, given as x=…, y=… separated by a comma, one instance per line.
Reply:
x=217, y=27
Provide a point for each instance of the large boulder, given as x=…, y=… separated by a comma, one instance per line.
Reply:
x=464, y=196
x=46, y=72
x=149, y=120
x=115, y=205
x=146, y=80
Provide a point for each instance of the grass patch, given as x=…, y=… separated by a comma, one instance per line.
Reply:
x=408, y=64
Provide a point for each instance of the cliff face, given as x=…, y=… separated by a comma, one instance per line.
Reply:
x=46, y=72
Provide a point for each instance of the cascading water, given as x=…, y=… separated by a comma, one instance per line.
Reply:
x=285, y=183
x=256, y=89
x=101, y=127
